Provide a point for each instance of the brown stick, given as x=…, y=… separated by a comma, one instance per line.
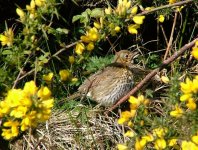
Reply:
x=153, y=73
x=171, y=37
x=165, y=6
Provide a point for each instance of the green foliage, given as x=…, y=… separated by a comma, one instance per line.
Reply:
x=42, y=41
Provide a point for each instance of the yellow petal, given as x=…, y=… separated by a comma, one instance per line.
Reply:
x=138, y=19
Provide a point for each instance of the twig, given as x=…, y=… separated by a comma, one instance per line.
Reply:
x=164, y=34
x=153, y=73
x=165, y=6
x=65, y=48
x=54, y=55
x=171, y=37
x=20, y=72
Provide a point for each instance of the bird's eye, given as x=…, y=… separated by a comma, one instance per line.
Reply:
x=126, y=56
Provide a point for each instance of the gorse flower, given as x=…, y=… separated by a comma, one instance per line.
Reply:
x=48, y=77
x=122, y=7
x=160, y=144
x=64, y=74
x=138, y=19
x=161, y=18
x=122, y=147
x=177, y=112
x=188, y=145
x=25, y=108
x=133, y=28
x=40, y=3
x=189, y=90
x=7, y=38
x=172, y=1
x=21, y=14
x=80, y=47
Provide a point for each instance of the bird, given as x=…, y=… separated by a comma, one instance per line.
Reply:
x=111, y=83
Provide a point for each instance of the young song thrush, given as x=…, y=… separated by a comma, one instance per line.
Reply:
x=111, y=83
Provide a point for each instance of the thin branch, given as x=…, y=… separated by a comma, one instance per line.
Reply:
x=165, y=6
x=54, y=55
x=152, y=74
x=170, y=42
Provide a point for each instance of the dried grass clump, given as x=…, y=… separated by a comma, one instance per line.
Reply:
x=73, y=130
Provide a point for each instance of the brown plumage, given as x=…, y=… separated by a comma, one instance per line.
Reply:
x=108, y=85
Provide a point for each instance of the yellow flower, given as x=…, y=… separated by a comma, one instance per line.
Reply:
x=140, y=144
x=19, y=112
x=187, y=145
x=85, y=39
x=108, y=10
x=80, y=47
x=195, y=139
x=148, y=138
x=191, y=104
x=122, y=7
x=149, y=8
x=117, y=29
x=130, y=123
x=161, y=18
x=44, y=93
x=90, y=46
x=48, y=77
x=185, y=97
x=29, y=121
x=138, y=19
x=160, y=132
x=74, y=80
x=126, y=116
x=178, y=9
x=4, y=108
x=134, y=10
x=172, y=1
x=129, y=133
x=15, y=97
x=186, y=87
x=165, y=79
x=7, y=38
x=177, y=112
x=30, y=88
x=122, y=147
x=133, y=28
x=31, y=7
x=48, y=103
x=40, y=3
x=97, y=25
x=93, y=34
x=21, y=14
x=160, y=144
x=71, y=59
x=134, y=102
x=12, y=132
x=64, y=74
x=172, y=142
x=195, y=52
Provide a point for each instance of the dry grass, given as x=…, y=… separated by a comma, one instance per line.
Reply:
x=66, y=131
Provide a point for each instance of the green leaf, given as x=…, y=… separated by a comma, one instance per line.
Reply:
x=75, y=18
x=61, y=30
x=7, y=52
x=97, y=12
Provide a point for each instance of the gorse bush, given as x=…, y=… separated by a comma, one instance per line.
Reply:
x=23, y=109
x=58, y=53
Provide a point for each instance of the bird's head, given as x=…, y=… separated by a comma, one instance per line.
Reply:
x=125, y=57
